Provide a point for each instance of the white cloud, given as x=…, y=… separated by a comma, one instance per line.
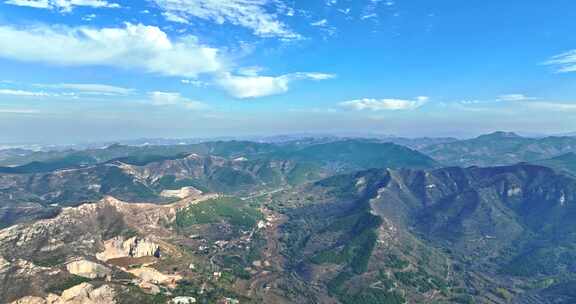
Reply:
x=175, y=18
x=565, y=62
x=134, y=46
x=170, y=98
x=90, y=88
x=320, y=23
x=62, y=5
x=24, y=93
x=18, y=111
x=89, y=17
x=514, y=97
x=373, y=104
x=260, y=86
x=250, y=71
x=195, y=83
x=552, y=106
x=252, y=14
x=369, y=16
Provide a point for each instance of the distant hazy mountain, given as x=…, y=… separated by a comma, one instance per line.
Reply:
x=499, y=148
x=142, y=173
x=9, y=153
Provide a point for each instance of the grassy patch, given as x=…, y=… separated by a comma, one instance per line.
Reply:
x=59, y=287
x=134, y=295
x=50, y=260
x=373, y=296
x=420, y=280
x=357, y=251
x=233, y=210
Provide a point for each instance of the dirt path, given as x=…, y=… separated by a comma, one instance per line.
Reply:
x=272, y=260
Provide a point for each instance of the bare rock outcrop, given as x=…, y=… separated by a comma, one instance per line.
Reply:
x=88, y=269
x=133, y=247
x=181, y=193
x=183, y=300
x=84, y=293
x=79, y=291
x=151, y=275
x=30, y=300
x=141, y=248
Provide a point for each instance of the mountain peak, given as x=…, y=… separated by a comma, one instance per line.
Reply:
x=500, y=134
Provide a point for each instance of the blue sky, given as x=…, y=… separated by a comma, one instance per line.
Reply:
x=90, y=70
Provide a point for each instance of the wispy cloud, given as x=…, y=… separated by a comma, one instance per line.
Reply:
x=514, y=97
x=252, y=14
x=320, y=23
x=259, y=86
x=158, y=98
x=552, y=106
x=133, y=46
x=373, y=104
x=195, y=83
x=25, y=93
x=62, y=5
x=564, y=63
x=18, y=111
x=513, y=102
x=90, y=88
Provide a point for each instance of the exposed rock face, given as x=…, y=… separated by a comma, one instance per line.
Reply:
x=84, y=293
x=88, y=269
x=141, y=248
x=183, y=300
x=30, y=300
x=181, y=193
x=79, y=291
x=76, y=230
x=151, y=275
x=133, y=247
x=103, y=294
x=113, y=248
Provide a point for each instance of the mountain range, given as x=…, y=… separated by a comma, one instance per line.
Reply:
x=483, y=220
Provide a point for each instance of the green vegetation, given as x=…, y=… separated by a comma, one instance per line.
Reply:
x=372, y=296
x=144, y=159
x=232, y=178
x=366, y=296
x=51, y=260
x=335, y=286
x=237, y=212
x=115, y=181
x=59, y=287
x=365, y=154
x=357, y=251
x=421, y=280
x=303, y=172
x=393, y=261
x=504, y=294
x=547, y=261
x=70, y=161
x=236, y=266
x=463, y=299
x=134, y=295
